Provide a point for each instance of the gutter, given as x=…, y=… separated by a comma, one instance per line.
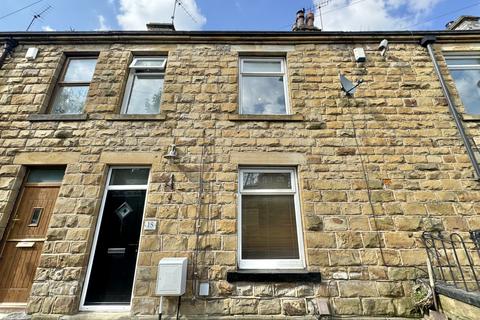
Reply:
x=241, y=37
x=427, y=42
x=10, y=45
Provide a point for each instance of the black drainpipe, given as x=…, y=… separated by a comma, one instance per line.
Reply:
x=10, y=45
x=427, y=42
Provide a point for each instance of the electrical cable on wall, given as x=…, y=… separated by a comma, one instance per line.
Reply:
x=367, y=182
x=197, y=219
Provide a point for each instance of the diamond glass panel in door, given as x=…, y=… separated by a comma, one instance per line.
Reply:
x=465, y=71
x=115, y=255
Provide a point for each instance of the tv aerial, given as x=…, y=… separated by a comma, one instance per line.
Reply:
x=320, y=5
x=180, y=4
x=348, y=86
x=38, y=16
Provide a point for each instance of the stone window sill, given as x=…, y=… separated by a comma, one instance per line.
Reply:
x=136, y=117
x=57, y=117
x=265, y=117
x=274, y=276
x=471, y=117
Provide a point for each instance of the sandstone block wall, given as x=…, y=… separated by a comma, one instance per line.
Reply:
x=368, y=255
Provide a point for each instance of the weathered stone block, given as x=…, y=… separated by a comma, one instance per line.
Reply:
x=356, y=288
x=380, y=306
x=347, y=306
x=269, y=307
x=293, y=307
x=244, y=306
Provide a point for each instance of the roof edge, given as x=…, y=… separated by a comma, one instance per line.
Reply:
x=233, y=36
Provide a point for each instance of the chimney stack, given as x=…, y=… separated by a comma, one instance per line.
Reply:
x=464, y=23
x=300, y=21
x=302, y=25
x=310, y=20
x=154, y=26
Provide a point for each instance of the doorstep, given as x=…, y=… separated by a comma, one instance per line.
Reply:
x=99, y=316
x=13, y=311
x=14, y=316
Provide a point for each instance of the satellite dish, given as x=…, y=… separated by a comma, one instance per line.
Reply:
x=348, y=86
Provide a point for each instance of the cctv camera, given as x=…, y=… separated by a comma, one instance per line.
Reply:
x=383, y=45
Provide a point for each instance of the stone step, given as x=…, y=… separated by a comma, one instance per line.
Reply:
x=14, y=316
x=98, y=316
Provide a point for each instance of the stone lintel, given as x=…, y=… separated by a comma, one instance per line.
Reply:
x=267, y=158
x=46, y=158
x=130, y=158
x=261, y=48
x=264, y=117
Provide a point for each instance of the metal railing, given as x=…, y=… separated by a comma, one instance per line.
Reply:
x=455, y=261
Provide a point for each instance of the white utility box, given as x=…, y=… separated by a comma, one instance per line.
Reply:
x=31, y=53
x=171, y=276
x=359, y=55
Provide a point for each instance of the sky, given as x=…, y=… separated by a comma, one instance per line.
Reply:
x=248, y=15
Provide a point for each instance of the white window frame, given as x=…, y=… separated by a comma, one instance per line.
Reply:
x=161, y=67
x=108, y=187
x=145, y=71
x=461, y=56
x=271, y=264
x=282, y=73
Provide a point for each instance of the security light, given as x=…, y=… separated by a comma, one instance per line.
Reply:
x=172, y=153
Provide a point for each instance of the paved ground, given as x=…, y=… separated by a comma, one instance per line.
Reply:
x=14, y=316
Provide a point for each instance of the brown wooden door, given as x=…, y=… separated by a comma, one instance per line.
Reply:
x=23, y=242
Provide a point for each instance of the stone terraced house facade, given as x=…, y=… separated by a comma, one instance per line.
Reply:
x=287, y=196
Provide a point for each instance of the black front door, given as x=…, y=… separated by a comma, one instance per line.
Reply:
x=113, y=266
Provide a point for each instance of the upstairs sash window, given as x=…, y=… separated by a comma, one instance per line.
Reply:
x=72, y=89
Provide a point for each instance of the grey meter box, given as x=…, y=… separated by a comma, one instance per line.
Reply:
x=171, y=276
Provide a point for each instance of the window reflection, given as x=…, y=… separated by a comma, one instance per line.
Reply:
x=263, y=95
x=263, y=86
x=263, y=180
x=467, y=83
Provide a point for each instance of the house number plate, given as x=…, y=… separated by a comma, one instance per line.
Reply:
x=150, y=225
